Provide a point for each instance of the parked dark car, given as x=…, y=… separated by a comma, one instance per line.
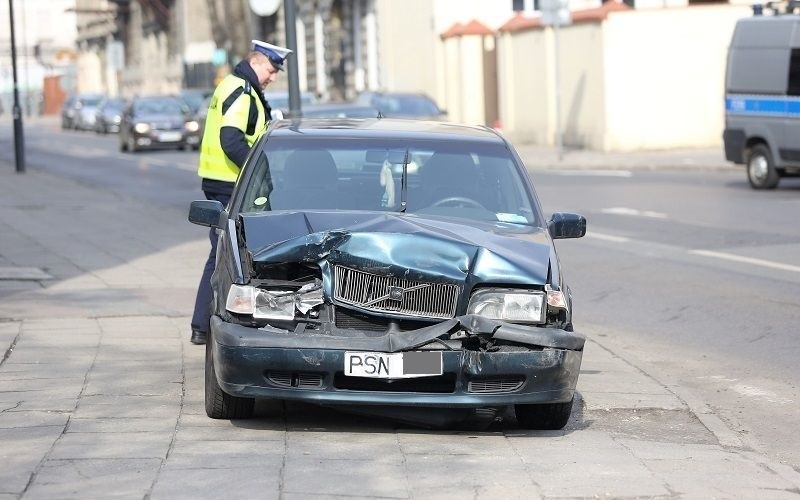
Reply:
x=339, y=282
x=338, y=110
x=157, y=122
x=68, y=112
x=279, y=102
x=194, y=98
x=78, y=111
x=109, y=115
x=403, y=105
x=85, y=110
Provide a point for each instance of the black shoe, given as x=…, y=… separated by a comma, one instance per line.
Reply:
x=198, y=337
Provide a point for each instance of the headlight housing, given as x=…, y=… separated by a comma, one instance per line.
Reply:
x=273, y=304
x=191, y=126
x=141, y=128
x=507, y=304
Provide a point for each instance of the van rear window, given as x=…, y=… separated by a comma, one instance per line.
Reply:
x=794, y=73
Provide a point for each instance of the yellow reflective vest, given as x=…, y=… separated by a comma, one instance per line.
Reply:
x=234, y=104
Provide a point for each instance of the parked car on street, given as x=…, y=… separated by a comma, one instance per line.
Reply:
x=194, y=98
x=68, y=112
x=340, y=281
x=78, y=111
x=157, y=122
x=279, y=102
x=85, y=110
x=338, y=110
x=403, y=105
x=762, y=98
x=109, y=115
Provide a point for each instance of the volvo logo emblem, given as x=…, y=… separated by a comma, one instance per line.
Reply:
x=396, y=293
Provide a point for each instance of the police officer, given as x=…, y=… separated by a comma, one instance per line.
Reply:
x=237, y=116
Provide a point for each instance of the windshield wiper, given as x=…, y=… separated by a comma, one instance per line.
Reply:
x=404, y=184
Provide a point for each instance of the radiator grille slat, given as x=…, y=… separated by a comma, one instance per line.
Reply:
x=371, y=292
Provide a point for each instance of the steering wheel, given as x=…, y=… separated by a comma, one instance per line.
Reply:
x=458, y=200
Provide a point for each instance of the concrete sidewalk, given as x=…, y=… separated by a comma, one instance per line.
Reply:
x=101, y=394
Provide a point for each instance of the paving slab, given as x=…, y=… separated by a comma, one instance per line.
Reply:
x=116, y=425
x=95, y=478
x=466, y=473
x=94, y=445
x=21, y=452
x=25, y=419
x=604, y=466
x=217, y=483
x=433, y=443
x=344, y=477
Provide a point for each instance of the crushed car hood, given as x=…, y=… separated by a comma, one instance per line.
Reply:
x=408, y=246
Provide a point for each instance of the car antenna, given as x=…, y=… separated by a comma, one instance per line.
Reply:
x=404, y=184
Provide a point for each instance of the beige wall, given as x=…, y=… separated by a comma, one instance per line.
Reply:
x=669, y=91
x=90, y=72
x=582, y=84
x=650, y=79
x=523, y=76
x=410, y=58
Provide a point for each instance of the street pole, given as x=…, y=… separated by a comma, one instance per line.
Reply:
x=19, y=141
x=295, y=110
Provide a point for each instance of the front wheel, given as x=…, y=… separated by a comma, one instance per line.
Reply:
x=220, y=404
x=548, y=416
x=761, y=170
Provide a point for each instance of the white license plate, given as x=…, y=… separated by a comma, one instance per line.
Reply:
x=170, y=136
x=394, y=365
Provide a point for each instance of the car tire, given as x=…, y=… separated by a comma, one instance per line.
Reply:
x=761, y=171
x=220, y=404
x=549, y=416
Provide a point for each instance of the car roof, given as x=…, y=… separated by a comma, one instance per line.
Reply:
x=383, y=127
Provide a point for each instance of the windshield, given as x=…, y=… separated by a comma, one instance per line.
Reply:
x=405, y=105
x=159, y=107
x=194, y=100
x=91, y=101
x=471, y=180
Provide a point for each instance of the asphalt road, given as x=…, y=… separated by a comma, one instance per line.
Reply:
x=689, y=276
x=699, y=276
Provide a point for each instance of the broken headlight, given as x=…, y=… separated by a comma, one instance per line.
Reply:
x=273, y=304
x=518, y=306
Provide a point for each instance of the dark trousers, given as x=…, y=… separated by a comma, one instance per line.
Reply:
x=202, y=304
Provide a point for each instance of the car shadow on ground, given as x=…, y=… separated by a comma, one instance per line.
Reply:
x=303, y=417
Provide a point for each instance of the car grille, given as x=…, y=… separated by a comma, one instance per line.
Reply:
x=495, y=385
x=353, y=320
x=389, y=294
x=297, y=380
x=165, y=126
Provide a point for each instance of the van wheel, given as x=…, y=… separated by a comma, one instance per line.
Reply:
x=761, y=170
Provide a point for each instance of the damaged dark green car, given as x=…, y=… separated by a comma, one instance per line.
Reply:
x=390, y=264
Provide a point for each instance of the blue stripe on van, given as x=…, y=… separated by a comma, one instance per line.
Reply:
x=751, y=105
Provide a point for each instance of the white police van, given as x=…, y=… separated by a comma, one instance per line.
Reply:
x=762, y=97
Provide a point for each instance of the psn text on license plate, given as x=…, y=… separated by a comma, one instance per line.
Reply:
x=393, y=365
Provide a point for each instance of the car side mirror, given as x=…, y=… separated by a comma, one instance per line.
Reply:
x=209, y=213
x=563, y=225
